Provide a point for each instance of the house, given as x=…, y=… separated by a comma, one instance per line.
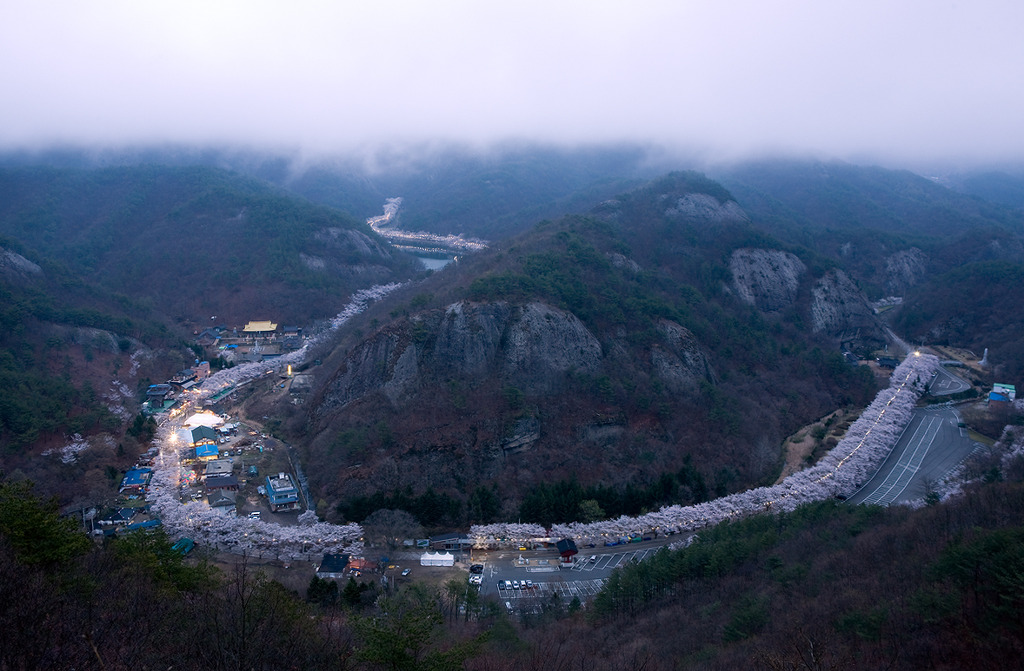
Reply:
x=566, y=548
x=182, y=377
x=282, y=493
x=888, y=362
x=225, y=482
x=208, y=337
x=332, y=566
x=291, y=330
x=220, y=499
x=206, y=452
x=203, y=435
x=217, y=468
x=156, y=394
x=136, y=480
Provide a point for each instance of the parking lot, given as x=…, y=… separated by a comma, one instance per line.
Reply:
x=609, y=560
x=584, y=589
x=582, y=579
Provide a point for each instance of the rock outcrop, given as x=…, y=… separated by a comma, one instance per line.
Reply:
x=839, y=309
x=680, y=362
x=768, y=279
x=707, y=208
x=14, y=266
x=531, y=347
x=904, y=269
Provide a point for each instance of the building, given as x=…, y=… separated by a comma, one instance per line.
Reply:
x=136, y=480
x=225, y=482
x=282, y=494
x=156, y=394
x=217, y=468
x=209, y=337
x=259, y=329
x=203, y=435
x=332, y=566
x=567, y=549
x=221, y=498
x=452, y=541
x=888, y=362
x=1003, y=392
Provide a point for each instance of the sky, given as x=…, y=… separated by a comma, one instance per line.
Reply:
x=892, y=80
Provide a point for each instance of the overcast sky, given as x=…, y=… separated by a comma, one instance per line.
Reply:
x=892, y=79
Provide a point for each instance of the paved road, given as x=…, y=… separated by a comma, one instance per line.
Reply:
x=945, y=383
x=929, y=448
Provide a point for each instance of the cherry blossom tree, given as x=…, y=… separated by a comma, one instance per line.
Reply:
x=840, y=472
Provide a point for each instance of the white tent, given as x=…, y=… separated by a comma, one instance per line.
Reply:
x=204, y=419
x=437, y=559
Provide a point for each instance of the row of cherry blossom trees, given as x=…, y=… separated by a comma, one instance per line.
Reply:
x=197, y=520
x=840, y=473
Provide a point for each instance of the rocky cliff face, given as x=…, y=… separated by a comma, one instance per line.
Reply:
x=680, y=361
x=904, y=269
x=840, y=310
x=707, y=208
x=14, y=266
x=531, y=347
x=766, y=278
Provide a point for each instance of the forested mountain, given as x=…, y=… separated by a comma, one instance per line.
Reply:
x=613, y=348
x=197, y=241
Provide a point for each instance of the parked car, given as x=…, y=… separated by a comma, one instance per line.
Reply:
x=528, y=584
x=476, y=568
x=406, y=571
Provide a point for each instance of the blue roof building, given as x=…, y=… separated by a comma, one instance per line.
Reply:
x=136, y=479
x=282, y=494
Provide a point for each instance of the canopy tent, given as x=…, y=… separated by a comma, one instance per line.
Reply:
x=437, y=559
x=204, y=419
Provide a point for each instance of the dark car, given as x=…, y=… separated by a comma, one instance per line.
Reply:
x=476, y=568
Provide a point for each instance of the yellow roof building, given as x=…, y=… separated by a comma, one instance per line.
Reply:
x=259, y=327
